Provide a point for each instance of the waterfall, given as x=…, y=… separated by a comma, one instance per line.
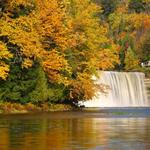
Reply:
x=126, y=89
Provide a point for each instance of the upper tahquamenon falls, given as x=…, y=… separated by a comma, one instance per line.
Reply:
x=126, y=89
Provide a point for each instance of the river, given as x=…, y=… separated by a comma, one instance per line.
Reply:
x=80, y=130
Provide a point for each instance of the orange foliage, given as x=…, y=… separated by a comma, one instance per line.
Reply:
x=65, y=37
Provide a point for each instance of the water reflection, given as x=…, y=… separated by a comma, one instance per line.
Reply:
x=44, y=133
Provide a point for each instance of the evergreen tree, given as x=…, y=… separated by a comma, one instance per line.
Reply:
x=40, y=92
x=18, y=85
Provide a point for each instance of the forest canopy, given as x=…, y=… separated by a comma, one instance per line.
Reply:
x=50, y=49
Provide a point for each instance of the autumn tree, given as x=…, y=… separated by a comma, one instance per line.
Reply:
x=34, y=33
x=128, y=29
x=131, y=60
x=66, y=39
x=4, y=55
x=91, y=49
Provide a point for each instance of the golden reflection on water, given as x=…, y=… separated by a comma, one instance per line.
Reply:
x=74, y=133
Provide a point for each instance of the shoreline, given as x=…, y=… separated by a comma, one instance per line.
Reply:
x=17, y=108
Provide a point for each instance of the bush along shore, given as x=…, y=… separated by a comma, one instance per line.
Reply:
x=16, y=108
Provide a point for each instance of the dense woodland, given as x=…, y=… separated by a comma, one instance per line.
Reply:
x=50, y=49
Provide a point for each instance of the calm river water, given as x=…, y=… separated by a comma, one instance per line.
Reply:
x=108, y=130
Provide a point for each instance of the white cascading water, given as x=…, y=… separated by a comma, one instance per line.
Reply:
x=126, y=89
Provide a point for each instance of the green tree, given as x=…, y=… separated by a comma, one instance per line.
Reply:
x=137, y=6
x=19, y=84
x=41, y=92
x=131, y=60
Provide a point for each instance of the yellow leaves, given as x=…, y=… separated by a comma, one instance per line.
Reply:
x=115, y=19
x=108, y=58
x=129, y=21
x=86, y=8
x=21, y=32
x=30, y=33
x=135, y=20
x=14, y=3
x=49, y=15
x=27, y=63
x=146, y=1
x=132, y=25
x=51, y=22
x=4, y=54
x=89, y=33
x=4, y=69
x=14, y=6
x=122, y=7
x=54, y=65
x=53, y=61
x=65, y=37
x=131, y=60
x=82, y=87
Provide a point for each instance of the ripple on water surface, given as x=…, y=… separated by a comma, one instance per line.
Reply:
x=74, y=131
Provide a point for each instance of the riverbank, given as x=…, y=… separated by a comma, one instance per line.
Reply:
x=16, y=108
